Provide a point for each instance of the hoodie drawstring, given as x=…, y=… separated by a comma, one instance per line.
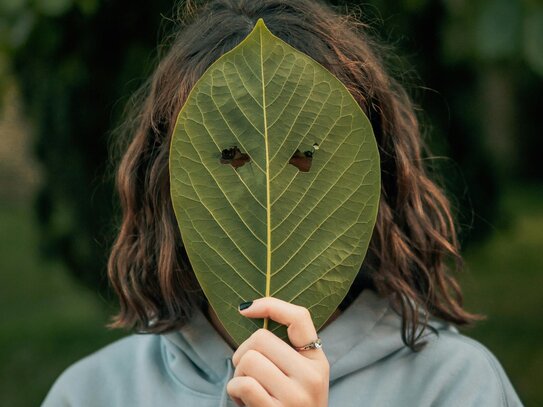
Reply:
x=224, y=394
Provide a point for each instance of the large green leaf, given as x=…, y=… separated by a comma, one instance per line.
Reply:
x=267, y=228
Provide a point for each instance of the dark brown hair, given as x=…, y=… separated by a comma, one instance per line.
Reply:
x=414, y=237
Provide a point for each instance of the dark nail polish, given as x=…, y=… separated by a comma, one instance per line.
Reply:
x=245, y=305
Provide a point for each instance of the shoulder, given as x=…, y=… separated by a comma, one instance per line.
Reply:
x=460, y=362
x=118, y=356
x=451, y=347
x=104, y=370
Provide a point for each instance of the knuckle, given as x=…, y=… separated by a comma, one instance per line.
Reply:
x=249, y=386
x=303, y=313
x=259, y=337
x=316, y=380
x=230, y=387
x=251, y=356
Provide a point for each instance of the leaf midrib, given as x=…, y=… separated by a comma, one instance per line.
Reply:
x=268, y=211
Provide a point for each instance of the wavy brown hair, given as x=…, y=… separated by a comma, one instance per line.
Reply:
x=414, y=242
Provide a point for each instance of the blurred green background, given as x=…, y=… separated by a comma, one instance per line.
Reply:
x=67, y=68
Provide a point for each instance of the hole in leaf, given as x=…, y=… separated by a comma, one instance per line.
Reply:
x=303, y=161
x=234, y=157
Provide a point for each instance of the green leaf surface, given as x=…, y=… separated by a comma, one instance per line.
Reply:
x=267, y=228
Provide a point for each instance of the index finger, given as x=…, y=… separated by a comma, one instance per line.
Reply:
x=300, y=328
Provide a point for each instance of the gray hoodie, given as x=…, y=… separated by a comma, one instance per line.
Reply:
x=369, y=366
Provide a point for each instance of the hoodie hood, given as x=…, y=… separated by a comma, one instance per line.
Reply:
x=366, y=332
x=369, y=366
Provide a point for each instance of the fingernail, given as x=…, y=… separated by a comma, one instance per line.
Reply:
x=245, y=305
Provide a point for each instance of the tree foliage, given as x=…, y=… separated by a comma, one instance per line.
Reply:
x=76, y=65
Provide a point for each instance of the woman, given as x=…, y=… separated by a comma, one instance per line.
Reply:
x=391, y=341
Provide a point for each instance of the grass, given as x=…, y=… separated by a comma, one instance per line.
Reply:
x=49, y=321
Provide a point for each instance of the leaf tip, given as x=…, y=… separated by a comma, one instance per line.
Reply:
x=261, y=25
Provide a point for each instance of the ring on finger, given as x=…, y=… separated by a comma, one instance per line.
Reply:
x=316, y=344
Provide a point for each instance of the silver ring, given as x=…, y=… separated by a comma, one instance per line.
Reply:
x=316, y=344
